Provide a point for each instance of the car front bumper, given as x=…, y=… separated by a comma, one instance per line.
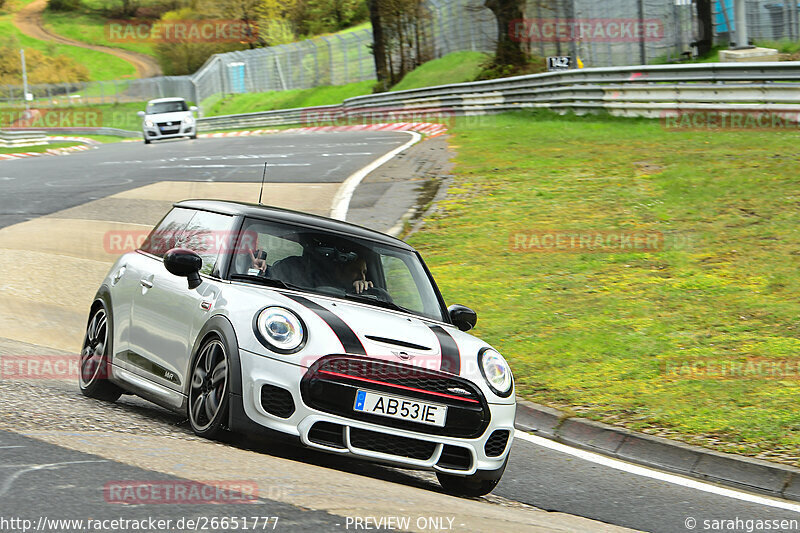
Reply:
x=154, y=133
x=366, y=440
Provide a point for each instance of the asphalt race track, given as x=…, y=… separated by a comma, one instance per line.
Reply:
x=58, y=450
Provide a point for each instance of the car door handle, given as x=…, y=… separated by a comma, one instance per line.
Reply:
x=146, y=283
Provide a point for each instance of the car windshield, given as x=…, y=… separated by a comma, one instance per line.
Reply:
x=330, y=264
x=166, y=107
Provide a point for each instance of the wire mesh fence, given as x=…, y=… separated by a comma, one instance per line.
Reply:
x=767, y=20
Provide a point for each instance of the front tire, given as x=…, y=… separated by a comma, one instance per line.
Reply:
x=94, y=366
x=146, y=141
x=479, y=484
x=210, y=389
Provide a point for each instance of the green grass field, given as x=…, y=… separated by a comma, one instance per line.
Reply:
x=37, y=149
x=609, y=335
x=122, y=116
x=101, y=66
x=453, y=68
x=251, y=102
x=89, y=26
x=457, y=67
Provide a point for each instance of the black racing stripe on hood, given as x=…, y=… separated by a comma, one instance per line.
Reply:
x=451, y=357
x=347, y=336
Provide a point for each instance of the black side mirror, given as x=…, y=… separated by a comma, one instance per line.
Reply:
x=462, y=317
x=184, y=263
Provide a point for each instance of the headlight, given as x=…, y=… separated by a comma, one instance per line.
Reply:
x=280, y=330
x=188, y=120
x=496, y=372
x=149, y=123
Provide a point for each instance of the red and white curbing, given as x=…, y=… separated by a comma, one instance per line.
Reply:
x=49, y=151
x=426, y=128
x=87, y=143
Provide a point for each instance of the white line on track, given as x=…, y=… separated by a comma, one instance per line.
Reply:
x=6, y=485
x=259, y=165
x=341, y=202
x=655, y=474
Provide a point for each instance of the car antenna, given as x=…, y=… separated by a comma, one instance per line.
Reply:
x=263, y=176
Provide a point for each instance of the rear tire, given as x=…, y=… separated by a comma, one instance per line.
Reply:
x=94, y=367
x=480, y=483
x=209, y=390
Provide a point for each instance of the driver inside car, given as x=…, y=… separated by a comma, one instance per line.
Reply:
x=258, y=263
x=354, y=274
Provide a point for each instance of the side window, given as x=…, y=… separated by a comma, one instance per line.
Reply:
x=264, y=238
x=279, y=248
x=208, y=234
x=400, y=283
x=167, y=234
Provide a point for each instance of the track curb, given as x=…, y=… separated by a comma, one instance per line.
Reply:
x=736, y=471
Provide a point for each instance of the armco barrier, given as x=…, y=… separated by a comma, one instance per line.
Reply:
x=642, y=91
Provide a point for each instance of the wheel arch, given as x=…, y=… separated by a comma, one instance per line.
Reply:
x=103, y=295
x=220, y=326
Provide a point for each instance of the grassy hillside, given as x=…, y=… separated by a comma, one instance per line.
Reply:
x=457, y=67
x=87, y=24
x=453, y=68
x=101, y=66
x=248, y=103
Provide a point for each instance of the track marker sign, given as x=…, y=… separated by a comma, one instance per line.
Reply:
x=556, y=63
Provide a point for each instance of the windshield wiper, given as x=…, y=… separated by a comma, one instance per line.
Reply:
x=269, y=282
x=377, y=301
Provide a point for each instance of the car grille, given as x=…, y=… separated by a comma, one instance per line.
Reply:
x=277, y=401
x=174, y=127
x=496, y=443
x=330, y=385
x=391, y=444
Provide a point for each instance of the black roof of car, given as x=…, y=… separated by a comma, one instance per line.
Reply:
x=287, y=216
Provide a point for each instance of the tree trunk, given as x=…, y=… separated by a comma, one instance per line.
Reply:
x=509, y=52
x=379, y=45
x=705, y=42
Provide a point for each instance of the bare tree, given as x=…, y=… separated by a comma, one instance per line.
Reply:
x=705, y=16
x=378, y=44
x=399, y=38
x=508, y=51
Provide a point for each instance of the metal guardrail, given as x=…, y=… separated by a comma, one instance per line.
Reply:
x=638, y=91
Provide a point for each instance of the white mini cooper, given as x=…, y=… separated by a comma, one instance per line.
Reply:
x=246, y=318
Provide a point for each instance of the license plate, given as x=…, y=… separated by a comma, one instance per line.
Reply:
x=401, y=408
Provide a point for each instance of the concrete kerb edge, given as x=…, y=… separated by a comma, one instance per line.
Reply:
x=738, y=472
